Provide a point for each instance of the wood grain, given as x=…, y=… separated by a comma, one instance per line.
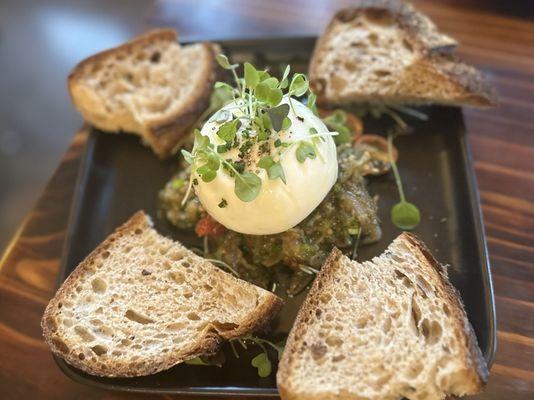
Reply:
x=503, y=147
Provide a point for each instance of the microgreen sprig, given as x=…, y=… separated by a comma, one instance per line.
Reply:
x=257, y=114
x=262, y=362
x=404, y=215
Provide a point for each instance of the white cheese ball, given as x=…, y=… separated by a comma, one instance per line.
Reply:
x=279, y=206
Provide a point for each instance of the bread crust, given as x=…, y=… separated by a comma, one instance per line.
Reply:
x=473, y=359
x=435, y=58
x=209, y=341
x=299, y=326
x=164, y=134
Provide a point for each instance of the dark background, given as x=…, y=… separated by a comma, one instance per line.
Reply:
x=40, y=41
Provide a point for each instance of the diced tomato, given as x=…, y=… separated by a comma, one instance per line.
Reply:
x=207, y=226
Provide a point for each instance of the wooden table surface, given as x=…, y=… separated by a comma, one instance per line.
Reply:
x=502, y=140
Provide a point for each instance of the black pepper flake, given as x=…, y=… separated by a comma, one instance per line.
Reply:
x=195, y=181
x=264, y=147
x=145, y=272
x=300, y=118
x=239, y=166
x=223, y=203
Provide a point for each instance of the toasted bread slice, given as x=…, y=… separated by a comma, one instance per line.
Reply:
x=385, y=51
x=151, y=86
x=141, y=303
x=385, y=329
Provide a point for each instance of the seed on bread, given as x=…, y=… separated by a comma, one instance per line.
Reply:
x=141, y=303
x=151, y=86
x=385, y=51
x=388, y=328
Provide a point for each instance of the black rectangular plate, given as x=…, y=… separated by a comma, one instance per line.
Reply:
x=118, y=176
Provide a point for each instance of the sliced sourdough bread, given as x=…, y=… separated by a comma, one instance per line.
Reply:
x=151, y=86
x=141, y=303
x=389, y=328
x=386, y=51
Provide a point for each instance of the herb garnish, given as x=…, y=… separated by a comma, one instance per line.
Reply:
x=404, y=215
x=258, y=113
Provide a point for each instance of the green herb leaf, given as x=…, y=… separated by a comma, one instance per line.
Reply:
x=195, y=361
x=299, y=85
x=266, y=94
x=228, y=130
x=214, y=162
x=305, y=150
x=188, y=157
x=272, y=82
x=201, y=141
x=312, y=98
x=286, y=123
x=284, y=82
x=266, y=162
x=274, y=169
x=263, y=364
x=277, y=116
x=223, y=85
x=405, y=215
x=263, y=75
x=247, y=186
x=223, y=62
x=252, y=77
x=206, y=173
x=277, y=171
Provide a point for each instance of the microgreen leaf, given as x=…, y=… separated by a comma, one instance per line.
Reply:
x=266, y=94
x=213, y=161
x=272, y=82
x=247, y=186
x=206, y=173
x=274, y=169
x=188, y=157
x=263, y=364
x=228, y=130
x=223, y=62
x=201, y=141
x=337, y=122
x=277, y=171
x=405, y=215
x=223, y=85
x=266, y=162
x=305, y=150
x=252, y=77
x=311, y=101
x=263, y=75
x=286, y=123
x=299, y=85
x=277, y=116
x=284, y=82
